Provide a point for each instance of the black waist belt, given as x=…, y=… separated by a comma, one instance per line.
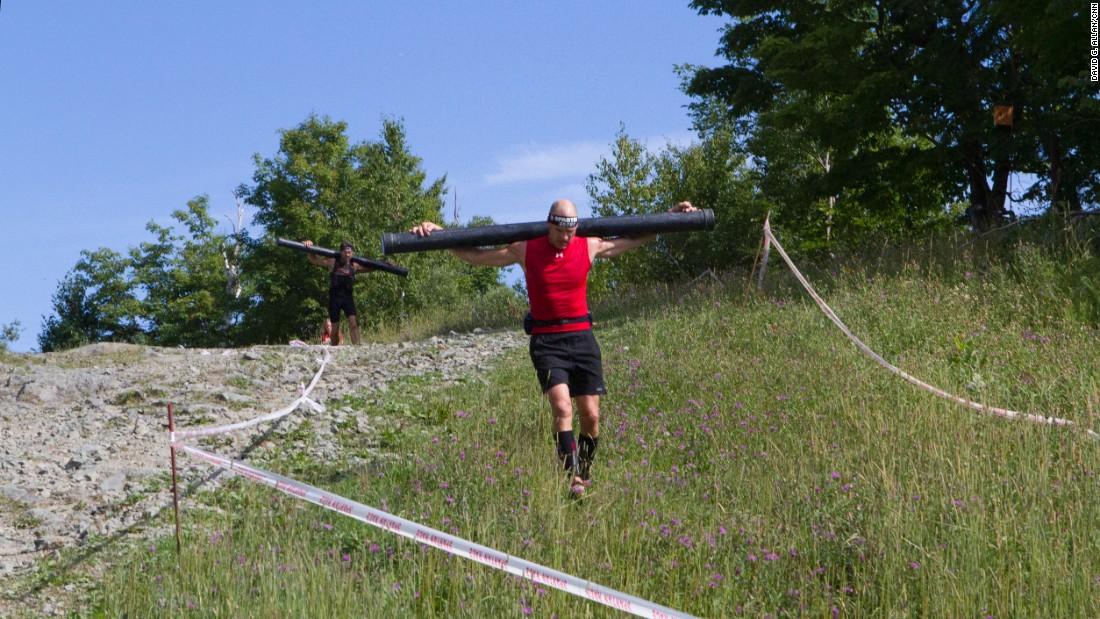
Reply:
x=561, y=321
x=530, y=323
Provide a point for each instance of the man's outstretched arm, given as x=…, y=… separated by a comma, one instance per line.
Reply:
x=497, y=257
x=609, y=248
x=320, y=261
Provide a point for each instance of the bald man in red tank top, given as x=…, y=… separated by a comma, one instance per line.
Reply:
x=563, y=349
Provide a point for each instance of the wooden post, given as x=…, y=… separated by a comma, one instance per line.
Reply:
x=175, y=485
x=767, y=248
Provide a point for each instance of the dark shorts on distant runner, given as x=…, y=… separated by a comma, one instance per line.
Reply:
x=571, y=358
x=340, y=302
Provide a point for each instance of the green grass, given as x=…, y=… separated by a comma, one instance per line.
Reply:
x=752, y=462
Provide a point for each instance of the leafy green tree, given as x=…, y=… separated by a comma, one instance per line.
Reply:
x=97, y=301
x=711, y=174
x=623, y=185
x=828, y=195
x=895, y=93
x=9, y=334
x=715, y=174
x=168, y=292
x=481, y=279
x=300, y=195
x=186, y=301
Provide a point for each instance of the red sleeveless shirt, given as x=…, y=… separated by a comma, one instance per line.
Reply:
x=557, y=282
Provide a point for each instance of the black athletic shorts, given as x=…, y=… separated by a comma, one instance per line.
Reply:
x=337, y=302
x=571, y=358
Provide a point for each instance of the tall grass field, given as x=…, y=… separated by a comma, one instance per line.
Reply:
x=752, y=463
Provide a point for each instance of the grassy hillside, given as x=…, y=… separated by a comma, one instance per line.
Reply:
x=753, y=462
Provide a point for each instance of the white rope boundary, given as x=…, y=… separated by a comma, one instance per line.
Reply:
x=303, y=398
x=407, y=528
x=999, y=412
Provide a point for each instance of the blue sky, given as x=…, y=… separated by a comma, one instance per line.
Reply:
x=115, y=114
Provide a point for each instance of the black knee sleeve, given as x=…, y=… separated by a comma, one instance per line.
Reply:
x=567, y=449
x=588, y=446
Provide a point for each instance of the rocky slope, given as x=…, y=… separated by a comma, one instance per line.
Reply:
x=84, y=441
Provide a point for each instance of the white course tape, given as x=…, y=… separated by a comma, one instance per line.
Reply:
x=303, y=398
x=448, y=543
x=1000, y=412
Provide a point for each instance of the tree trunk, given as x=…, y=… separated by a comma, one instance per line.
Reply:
x=987, y=208
x=1064, y=194
x=1002, y=168
x=979, y=190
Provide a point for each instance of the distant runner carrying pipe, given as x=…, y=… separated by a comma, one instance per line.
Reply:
x=341, y=297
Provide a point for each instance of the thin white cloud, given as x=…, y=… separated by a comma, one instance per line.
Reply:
x=547, y=163
x=577, y=159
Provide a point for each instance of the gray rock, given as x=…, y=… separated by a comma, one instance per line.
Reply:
x=38, y=393
x=50, y=542
x=234, y=397
x=14, y=493
x=91, y=452
x=114, y=483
